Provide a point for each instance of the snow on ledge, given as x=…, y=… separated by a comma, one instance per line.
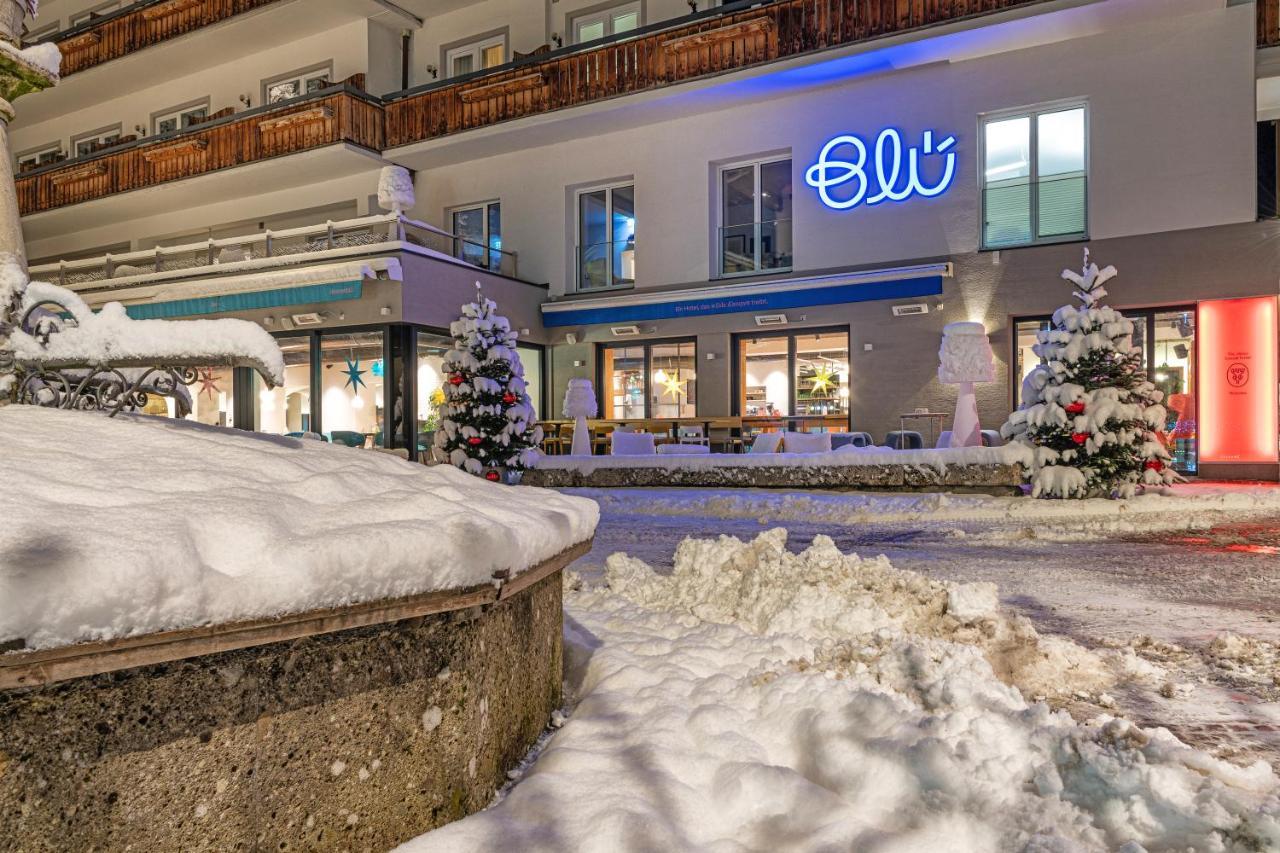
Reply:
x=126, y=526
x=847, y=456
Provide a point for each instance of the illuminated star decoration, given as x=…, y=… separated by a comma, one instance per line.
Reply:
x=208, y=382
x=674, y=385
x=355, y=376
x=823, y=378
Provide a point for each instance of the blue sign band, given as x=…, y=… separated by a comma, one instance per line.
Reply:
x=893, y=289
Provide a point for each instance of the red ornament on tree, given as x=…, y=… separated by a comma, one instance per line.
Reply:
x=491, y=476
x=508, y=398
x=455, y=379
x=1080, y=437
x=474, y=440
x=1075, y=408
x=1154, y=465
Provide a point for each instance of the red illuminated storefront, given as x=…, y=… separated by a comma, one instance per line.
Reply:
x=1238, y=349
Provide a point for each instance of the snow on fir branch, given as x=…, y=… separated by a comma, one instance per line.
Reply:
x=1089, y=412
x=486, y=421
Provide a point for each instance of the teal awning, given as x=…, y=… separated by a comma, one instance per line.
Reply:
x=334, y=292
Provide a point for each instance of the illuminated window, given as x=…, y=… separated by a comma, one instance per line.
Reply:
x=1035, y=170
x=607, y=22
x=351, y=383
x=476, y=56
x=651, y=380
x=755, y=218
x=797, y=380
x=607, y=237
x=287, y=408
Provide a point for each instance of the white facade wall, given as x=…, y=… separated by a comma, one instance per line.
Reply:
x=347, y=47
x=1171, y=112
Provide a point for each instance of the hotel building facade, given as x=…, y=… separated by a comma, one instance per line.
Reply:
x=758, y=209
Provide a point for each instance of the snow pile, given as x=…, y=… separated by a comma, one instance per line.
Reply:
x=829, y=597
x=719, y=710
x=111, y=336
x=965, y=355
x=112, y=527
x=395, y=189
x=45, y=59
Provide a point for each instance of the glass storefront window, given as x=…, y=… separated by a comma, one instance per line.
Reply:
x=531, y=361
x=673, y=386
x=1026, y=360
x=764, y=380
x=796, y=380
x=822, y=374
x=287, y=409
x=351, y=376
x=1174, y=373
x=624, y=382
x=428, y=392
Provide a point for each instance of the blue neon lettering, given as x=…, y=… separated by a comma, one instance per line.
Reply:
x=831, y=171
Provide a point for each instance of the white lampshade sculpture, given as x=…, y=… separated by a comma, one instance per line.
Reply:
x=964, y=359
x=580, y=404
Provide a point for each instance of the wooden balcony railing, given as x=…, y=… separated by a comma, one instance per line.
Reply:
x=336, y=114
x=141, y=25
x=730, y=38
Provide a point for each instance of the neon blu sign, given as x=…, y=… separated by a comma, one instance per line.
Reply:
x=843, y=161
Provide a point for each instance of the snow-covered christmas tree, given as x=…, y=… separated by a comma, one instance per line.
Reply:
x=486, y=421
x=1089, y=411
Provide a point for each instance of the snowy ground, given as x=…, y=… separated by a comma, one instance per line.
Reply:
x=740, y=697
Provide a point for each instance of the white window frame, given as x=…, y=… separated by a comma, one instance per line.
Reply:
x=302, y=77
x=181, y=114
x=100, y=10
x=1032, y=113
x=605, y=16
x=40, y=34
x=484, y=207
x=102, y=134
x=475, y=49
x=577, y=235
x=34, y=154
x=756, y=163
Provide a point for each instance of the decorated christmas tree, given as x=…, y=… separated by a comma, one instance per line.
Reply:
x=486, y=421
x=1088, y=410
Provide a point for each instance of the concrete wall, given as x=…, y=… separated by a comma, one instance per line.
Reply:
x=354, y=740
x=1152, y=169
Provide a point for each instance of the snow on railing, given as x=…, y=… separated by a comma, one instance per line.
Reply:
x=291, y=245
x=71, y=357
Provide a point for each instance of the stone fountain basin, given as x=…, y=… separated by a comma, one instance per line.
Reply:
x=348, y=727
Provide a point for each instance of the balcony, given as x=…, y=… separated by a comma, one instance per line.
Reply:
x=115, y=276
x=329, y=117
x=111, y=36
x=736, y=36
